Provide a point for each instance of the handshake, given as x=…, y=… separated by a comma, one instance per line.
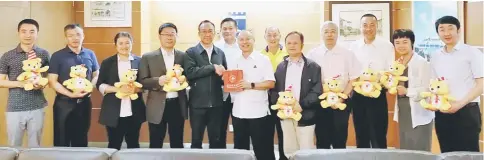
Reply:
x=219, y=69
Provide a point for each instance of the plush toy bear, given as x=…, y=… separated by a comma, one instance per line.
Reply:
x=391, y=78
x=175, y=81
x=78, y=82
x=367, y=84
x=78, y=71
x=438, y=98
x=285, y=105
x=32, y=74
x=333, y=94
x=128, y=78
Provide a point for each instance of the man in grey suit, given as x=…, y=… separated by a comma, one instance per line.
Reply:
x=162, y=107
x=204, y=64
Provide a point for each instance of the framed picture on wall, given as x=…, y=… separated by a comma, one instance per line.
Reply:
x=347, y=15
x=107, y=14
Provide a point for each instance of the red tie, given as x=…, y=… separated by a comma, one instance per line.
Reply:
x=31, y=55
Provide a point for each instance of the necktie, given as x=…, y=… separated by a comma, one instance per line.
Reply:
x=31, y=55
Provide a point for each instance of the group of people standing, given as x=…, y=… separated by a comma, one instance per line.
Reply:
x=265, y=73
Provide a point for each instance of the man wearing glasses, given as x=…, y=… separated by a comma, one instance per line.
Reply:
x=204, y=65
x=162, y=107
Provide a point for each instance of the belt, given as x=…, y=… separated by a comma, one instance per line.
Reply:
x=77, y=100
x=171, y=99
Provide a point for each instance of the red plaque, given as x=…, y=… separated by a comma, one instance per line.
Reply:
x=231, y=78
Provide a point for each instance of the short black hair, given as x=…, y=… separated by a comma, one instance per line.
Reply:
x=301, y=36
x=205, y=21
x=447, y=20
x=167, y=25
x=28, y=21
x=122, y=34
x=403, y=33
x=369, y=15
x=71, y=26
x=228, y=20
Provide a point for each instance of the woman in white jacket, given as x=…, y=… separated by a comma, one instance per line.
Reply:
x=415, y=122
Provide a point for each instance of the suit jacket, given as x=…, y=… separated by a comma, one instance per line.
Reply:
x=205, y=85
x=152, y=67
x=111, y=105
x=311, y=89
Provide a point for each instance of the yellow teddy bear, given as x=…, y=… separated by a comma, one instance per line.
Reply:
x=78, y=82
x=175, y=81
x=32, y=74
x=285, y=105
x=391, y=78
x=78, y=71
x=128, y=78
x=367, y=84
x=333, y=94
x=438, y=98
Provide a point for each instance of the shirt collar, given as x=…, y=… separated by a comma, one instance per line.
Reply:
x=299, y=62
x=361, y=42
x=226, y=45
x=457, y=47
x=251, y=56
x=202, y=48
x=70, y=51
x=280, y=49
x=19, y=49
x=167, y=53
x=129, y=58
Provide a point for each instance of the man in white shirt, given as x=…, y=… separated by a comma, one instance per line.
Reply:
x=335, y=61
x=251, y=115
x=370, y=115
x=232, y=51
x=460, y=65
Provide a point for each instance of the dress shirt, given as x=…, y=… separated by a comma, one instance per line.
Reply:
x=378, y=55
x=252, y=103
x=169, y=58
x=460, y=68
x=209, y=52
x=418, y=81
x=123, y=66
x=232, y=52
x=293, y=76
x=337, y=61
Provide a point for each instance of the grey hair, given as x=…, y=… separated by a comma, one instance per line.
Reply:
x=328, y=23
x=248, y=32
x=272, y=27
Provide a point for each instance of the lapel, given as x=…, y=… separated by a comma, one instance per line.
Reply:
x=114, y=66
x=304, y=78
x=159, y=58
x=178, y=57
x=283, y=75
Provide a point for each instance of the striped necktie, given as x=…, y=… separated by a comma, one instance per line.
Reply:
x=31, y=55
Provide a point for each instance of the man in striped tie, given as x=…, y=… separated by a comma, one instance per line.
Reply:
x=25, y=109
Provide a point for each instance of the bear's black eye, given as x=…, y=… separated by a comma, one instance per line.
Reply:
x=438, y=86
x=396, y=68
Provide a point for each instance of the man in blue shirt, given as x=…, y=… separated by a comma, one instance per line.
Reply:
x=72, y=111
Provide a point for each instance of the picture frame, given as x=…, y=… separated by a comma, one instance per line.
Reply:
x=347, y=15
x=107, y=14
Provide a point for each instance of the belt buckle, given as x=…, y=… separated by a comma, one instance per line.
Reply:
x=79, y=101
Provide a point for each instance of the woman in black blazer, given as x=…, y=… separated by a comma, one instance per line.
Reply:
x=122, y=117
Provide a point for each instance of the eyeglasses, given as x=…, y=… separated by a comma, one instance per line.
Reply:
x=168, y=35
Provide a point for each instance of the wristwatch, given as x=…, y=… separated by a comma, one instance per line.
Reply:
x=252, y=85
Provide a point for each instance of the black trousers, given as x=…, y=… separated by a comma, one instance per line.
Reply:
x=72, y=119
x=370, y=117
x=128, y=129
x=459, y=131
x=227, y=112
x=332, y=127
x=257, y=130
x=173, y=117
x=210, y=118
x=275, y=127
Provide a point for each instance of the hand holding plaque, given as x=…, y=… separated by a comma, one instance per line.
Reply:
x=231, y=80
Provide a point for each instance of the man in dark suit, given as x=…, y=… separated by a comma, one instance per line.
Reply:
x=204, y=64
x=304, y=77
x=163, y=107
